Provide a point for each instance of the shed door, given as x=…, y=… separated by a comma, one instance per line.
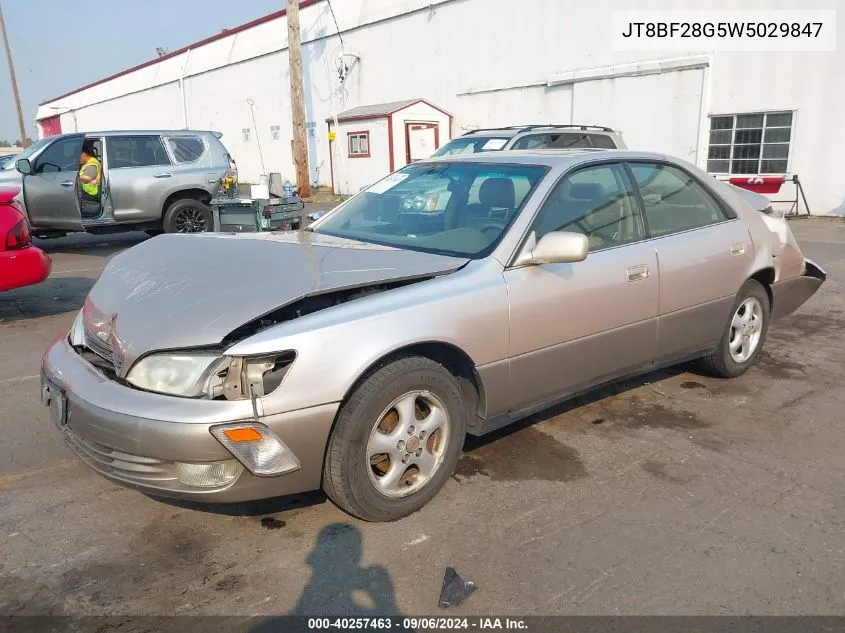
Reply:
x=421, y=140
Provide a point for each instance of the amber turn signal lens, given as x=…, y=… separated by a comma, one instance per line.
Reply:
x=242, y=435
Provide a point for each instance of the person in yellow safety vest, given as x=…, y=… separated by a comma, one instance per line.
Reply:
x=90, y=176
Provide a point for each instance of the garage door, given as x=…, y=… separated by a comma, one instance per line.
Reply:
x=659, y=112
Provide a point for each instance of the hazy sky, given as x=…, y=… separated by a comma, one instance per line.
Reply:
x=60, y=45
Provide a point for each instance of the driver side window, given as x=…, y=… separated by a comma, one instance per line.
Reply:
x=597, y=201
x=61, y=156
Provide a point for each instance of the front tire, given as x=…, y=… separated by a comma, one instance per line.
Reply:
x=188, y=216
x=396, y=441
x=744, y=333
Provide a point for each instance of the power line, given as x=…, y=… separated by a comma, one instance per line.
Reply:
x=336, y=25
x=12, y=78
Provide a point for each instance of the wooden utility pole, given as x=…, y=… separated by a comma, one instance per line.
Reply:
x=297, y=100
x=14, y=80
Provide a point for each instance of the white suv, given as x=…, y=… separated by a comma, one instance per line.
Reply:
x=533, y=137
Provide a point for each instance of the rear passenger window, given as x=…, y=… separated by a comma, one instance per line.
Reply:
x=673, y=200
x=535, y=141
x=135, y=151
x=186, y=149
x=603, y=141
x=565, y=141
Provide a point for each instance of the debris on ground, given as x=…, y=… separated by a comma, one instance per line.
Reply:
x=454, y=590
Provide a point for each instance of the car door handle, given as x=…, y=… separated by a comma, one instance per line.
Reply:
x=738, y=249
x=637, y=273
x=164, y=175
x=67, y=183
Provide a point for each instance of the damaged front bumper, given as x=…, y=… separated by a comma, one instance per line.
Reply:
x=164, y=446
x=790, y=294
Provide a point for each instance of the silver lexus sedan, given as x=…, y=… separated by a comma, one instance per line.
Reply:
x=454, y=296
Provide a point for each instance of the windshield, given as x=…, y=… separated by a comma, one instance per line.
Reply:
x=450, y=208
x=472, y=145
x=29, y=151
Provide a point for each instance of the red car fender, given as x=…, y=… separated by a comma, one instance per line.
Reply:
x=19, y=266
x=24, y=267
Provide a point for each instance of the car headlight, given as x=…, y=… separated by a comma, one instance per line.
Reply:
x=186, y=374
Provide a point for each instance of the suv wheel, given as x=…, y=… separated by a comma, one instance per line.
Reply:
x=188, y=216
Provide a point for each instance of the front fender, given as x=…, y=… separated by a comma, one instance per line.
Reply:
x=467, y=309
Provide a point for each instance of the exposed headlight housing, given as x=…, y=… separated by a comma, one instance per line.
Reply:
x=77, y=331
x=210, y=375
x=177, y=374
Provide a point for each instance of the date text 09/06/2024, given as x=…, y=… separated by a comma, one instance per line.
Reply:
x=417, y=623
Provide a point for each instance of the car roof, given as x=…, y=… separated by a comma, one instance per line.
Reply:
x=514, y=130
x=134, y=132
x=490, y=132
x=548, y=157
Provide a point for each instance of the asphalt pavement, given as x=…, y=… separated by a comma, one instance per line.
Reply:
x=671, y=494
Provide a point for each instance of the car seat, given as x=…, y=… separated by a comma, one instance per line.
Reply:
x=496, y=202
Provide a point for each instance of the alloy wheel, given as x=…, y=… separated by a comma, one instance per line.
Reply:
x=190, y=220
x=746, y=330
x=408, y=443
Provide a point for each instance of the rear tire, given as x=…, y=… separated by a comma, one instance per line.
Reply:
x=188, y=216
x=744, y=335
x=396, y=441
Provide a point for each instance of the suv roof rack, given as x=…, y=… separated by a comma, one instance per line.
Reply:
x=527, y=128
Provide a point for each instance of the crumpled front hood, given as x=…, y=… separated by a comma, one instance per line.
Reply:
x=184, y=291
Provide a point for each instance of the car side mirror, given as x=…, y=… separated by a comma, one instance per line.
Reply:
x=557, y=247
x=24, y=166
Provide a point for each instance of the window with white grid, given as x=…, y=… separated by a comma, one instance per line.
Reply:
x=751, y=143
x=359, y=144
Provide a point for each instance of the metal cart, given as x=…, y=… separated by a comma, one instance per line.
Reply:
x=247, y=215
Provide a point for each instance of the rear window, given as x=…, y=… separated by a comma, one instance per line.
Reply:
x=186, y=149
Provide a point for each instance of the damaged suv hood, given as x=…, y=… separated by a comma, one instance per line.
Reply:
x=184, y=291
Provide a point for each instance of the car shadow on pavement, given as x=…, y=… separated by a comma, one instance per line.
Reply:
x=93, y=245
x=339, y=585
x=257, y=508
x=607, y=391
x=55, y=295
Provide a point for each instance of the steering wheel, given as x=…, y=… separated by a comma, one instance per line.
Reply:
x=492, y=226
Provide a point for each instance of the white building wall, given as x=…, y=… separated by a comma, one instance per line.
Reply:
x=153, y=108
x=806, y=83
x=451, y=53
x=217, y=100
x=357, y=172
